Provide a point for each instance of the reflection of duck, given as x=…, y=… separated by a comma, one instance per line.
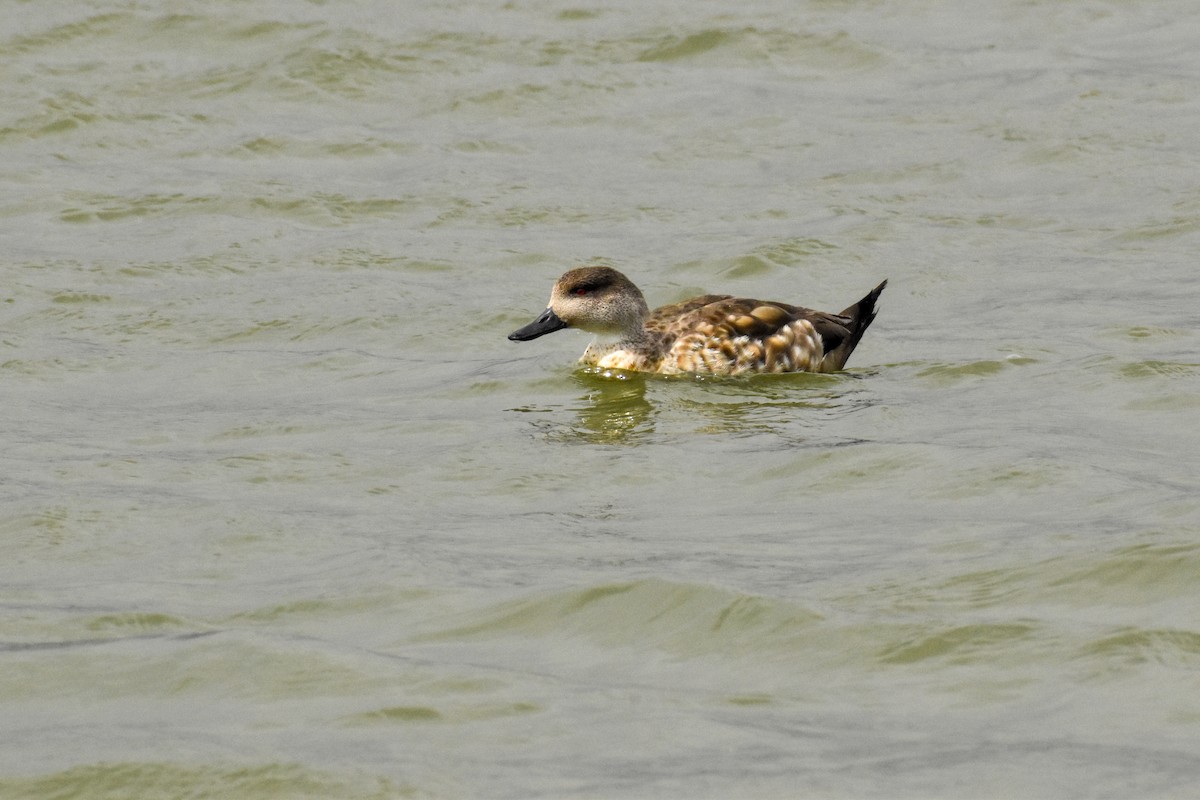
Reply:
x=613, y=411
x=714, y=334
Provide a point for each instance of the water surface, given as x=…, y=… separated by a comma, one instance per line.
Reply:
x=286, y=515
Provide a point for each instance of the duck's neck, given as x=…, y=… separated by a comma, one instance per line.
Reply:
x=636, y=350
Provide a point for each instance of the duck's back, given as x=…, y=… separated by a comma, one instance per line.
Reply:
x=728, y=335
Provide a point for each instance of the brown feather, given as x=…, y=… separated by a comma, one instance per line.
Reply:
x=716, y=334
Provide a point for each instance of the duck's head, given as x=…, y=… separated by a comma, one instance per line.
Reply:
x=595, y=299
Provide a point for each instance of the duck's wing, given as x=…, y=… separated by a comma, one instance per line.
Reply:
x=735, y=335
x=667, y=319
x=729, y=317
x=772, y=324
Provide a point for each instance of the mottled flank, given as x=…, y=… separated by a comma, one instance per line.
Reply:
x=712, y=334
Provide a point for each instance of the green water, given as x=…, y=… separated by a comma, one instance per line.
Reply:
x=286, y=515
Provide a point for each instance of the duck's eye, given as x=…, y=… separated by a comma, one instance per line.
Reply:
x=580, y=291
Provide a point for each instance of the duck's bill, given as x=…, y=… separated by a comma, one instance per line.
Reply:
x=548, y=322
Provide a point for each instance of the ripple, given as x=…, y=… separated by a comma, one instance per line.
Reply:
x=158, y=779
x=681, y=618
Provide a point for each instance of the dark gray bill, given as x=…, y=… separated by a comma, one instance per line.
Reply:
x=548, y=322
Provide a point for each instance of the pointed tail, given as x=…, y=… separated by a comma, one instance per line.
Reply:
x=861, y=315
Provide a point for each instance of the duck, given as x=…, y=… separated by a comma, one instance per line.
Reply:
x=714, y=334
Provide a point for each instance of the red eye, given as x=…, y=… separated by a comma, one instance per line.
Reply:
x=581, y=291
